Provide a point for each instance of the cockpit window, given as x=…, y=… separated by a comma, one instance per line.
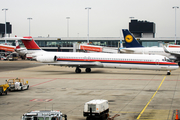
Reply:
x=166, y=59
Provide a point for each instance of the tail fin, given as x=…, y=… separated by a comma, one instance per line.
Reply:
x=30, y=44
x=17, y=45
x=130, y=40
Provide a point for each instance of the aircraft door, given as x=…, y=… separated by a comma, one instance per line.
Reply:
x=157, y=62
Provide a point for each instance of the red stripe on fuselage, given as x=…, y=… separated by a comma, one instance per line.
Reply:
x=171, y=46
x=116, y=61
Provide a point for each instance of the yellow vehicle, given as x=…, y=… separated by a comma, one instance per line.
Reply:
x=4, y=88
x=17, y=84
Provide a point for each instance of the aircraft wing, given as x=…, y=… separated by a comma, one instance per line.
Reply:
x=77, y=64
x=16, y=38
x=124, y=50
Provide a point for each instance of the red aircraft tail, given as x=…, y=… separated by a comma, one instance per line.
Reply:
x=30, y=44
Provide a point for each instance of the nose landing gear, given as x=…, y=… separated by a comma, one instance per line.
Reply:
x=88, y=70
x=78, y=70
x=168, y=72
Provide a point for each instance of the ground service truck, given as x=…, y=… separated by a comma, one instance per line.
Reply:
x=17, y=84
x=96, y=109
x=44, y=115
x=4, y=88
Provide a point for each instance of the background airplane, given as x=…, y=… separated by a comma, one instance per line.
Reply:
x=133, y=47
x=95, y=48
x=7, y=47
x=98, y=60
x=14, y=49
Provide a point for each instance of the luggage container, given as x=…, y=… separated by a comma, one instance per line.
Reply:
x=96, y=109
x=44, y=115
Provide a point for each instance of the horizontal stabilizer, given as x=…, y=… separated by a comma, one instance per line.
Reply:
x=17, y=38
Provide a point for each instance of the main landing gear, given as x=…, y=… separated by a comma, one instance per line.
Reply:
x=78, y=70
x=88, y=70
x=168, y=72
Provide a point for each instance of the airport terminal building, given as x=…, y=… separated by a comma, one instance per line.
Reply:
x=66, y=43
x=143, y=31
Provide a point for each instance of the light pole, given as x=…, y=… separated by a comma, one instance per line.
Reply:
x=29, y=24
x=88, y=25
x=67, y=26
x=5, y=23
x=175, y=7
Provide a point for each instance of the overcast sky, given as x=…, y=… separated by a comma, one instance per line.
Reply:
x=106, y=18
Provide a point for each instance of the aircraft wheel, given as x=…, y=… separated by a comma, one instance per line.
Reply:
x=22, y=89
x=78, y=70
x=168, y=73
x=88, y=70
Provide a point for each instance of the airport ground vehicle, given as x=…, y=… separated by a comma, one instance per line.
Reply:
x=3, y=58
x=13, y=56
x=44, y=115
x=17, y=84
x=4, y=88
x=96, y=109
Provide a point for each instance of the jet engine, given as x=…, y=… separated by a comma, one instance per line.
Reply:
x=46, y=59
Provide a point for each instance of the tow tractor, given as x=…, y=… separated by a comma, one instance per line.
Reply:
x=17, y=84
x=44, y=115
x=4, y=88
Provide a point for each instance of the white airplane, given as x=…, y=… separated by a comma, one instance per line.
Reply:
x=133, y=47
x=99, y=60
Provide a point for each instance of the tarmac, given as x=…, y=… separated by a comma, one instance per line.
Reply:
x=133, y=94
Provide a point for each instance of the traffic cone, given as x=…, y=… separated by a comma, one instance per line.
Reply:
x=177, y=118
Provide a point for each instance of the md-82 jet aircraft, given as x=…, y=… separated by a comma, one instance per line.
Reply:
x=133, y=47
x=99, y=60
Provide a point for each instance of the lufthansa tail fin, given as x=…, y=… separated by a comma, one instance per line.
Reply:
x=30, y=44
x=129, y=39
